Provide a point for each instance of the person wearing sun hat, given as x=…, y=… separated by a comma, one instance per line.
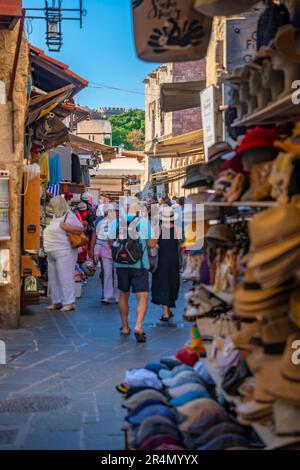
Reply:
x=165, y=280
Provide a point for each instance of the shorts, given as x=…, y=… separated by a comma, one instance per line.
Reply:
x=135, y=278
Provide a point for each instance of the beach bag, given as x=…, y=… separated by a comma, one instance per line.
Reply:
x=76, y=239
x=153, y=259
x=170, y=31
x=270, y=20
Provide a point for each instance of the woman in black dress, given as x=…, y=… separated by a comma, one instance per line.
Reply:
x=165, y=280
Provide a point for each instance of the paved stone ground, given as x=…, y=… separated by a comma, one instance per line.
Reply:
x=57, y=390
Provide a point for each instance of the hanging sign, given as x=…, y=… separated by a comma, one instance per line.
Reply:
x=170, y=30
x=207, y=98
x=241, y=40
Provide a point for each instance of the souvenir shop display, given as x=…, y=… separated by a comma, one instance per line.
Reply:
x=235, y=383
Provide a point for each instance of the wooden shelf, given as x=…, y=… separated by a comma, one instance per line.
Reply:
x=281, y=111
x=226, y=297
x=241, y=204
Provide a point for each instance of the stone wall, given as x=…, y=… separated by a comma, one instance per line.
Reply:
x=12, y=160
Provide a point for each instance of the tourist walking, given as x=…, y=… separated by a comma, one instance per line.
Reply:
x=165, y=280
x=102, y=252
x=60, y=254
x=134, y=275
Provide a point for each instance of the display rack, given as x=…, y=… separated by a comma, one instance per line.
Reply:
x=279, y=112
x=241, y=204
x=226, y=297
x=264, y=431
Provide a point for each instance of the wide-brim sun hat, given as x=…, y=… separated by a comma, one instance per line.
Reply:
x=286, y=42
x=273, y=232
x=220, y=233
x=86, y=196
x=283, y=381
x=251, y=293
x=223, y=8
x=195, y=178
x=168, y=214
x=274, y=335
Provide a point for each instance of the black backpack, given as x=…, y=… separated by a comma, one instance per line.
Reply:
x=127, y=251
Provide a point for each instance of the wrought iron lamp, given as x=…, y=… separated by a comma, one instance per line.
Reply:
x=54, y=16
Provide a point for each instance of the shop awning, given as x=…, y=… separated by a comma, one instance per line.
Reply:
x=170, y=175
x=79, y=142
x=182, y=95
x=49, y=74
x=182, y=145
x=41, y=105
x=121, y=166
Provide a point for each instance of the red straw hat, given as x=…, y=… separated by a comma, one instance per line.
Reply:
x=258, y=138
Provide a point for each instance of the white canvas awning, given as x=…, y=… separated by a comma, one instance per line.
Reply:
x=180, y=95
x=121, y=166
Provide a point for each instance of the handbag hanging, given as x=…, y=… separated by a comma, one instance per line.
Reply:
x=76, y=239
x=170, y=31
x=270, y=20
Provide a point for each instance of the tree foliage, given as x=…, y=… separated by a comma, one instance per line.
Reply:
x=124, y=127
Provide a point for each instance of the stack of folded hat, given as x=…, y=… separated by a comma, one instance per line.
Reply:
x=251, y=301
x=184, y=414
x=275, y=245
x=269, y=296
x=199, y=303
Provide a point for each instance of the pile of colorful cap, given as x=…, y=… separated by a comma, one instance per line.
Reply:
x=174, y=406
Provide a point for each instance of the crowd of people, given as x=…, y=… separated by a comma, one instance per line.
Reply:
x=125, y=258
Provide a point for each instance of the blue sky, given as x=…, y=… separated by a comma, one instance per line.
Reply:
x=102, y=52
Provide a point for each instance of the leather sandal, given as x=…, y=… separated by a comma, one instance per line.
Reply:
x=125, y=334
x=140, y=337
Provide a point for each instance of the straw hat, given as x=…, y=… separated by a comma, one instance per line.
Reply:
x=295, y=308
x=248, y=337
x=283, y=381
x=287, y=42
x=279, y=270
x=220, y=234
x=259, y=309
x=221, y=8
x=274, y=334
x=273, y=232
x=195, y=177
x=286, y=418
x=219, y=150
x=251, y=293
x=168, y=215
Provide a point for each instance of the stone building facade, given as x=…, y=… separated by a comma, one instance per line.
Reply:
x=160, y=125
x=96, y=130
x=12, y=119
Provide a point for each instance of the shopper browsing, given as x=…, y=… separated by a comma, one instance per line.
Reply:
x=132, y=262
x=60, y=254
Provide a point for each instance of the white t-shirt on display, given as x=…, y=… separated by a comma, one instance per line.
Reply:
x=55, y=238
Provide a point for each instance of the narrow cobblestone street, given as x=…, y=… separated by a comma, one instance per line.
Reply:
x=57, y=390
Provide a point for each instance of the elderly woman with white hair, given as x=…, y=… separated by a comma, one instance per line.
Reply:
x=60, y=254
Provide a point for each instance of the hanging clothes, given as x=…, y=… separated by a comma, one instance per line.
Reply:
x=55, y=169
x=76, y=171
x=44, y=167
x=85, y=172
x=54, y=189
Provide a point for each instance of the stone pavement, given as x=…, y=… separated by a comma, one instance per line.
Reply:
x=57, y=390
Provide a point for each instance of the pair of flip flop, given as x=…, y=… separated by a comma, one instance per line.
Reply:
x=166, y=318
x=139, y=336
